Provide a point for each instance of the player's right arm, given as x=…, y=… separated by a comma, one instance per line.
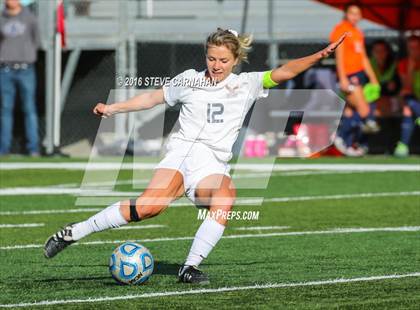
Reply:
x=294, y=67
x=141, y=102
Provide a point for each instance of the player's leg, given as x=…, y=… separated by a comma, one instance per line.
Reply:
x=414, y=105
x=216, y=191
x=362, y=137
x=348, y=132
x=343, y=139
x=165, y=186
x=407, y=127
x=357, y=100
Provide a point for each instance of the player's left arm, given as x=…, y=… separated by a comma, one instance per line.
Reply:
x=294, y=67
x=368, y=67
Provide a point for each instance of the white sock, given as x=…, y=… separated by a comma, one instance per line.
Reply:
x=108, y=218
x=205, y=239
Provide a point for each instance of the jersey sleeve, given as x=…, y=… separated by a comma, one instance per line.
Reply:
x=256, y=82
x=174, y=90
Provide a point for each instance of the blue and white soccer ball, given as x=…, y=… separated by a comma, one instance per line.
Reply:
x=131, y=263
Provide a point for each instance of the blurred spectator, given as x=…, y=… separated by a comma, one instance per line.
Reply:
x=354, y=71
x=385, y=68
x=409, y=71
x=19, y=40
x=82, y=7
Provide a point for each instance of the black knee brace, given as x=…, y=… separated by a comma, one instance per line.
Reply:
x=134, y=217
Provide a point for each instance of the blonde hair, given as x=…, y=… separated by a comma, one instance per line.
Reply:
x=239, y=45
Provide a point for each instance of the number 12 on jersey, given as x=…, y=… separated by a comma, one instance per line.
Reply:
x=215, y=112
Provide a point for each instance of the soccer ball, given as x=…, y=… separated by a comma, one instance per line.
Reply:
x=131, y=263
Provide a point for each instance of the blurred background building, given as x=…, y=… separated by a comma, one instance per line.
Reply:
x=107, y=40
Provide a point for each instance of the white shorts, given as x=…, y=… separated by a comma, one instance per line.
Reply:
x=194, y=161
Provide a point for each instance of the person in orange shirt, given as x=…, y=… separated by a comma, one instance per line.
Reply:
x=354, y=71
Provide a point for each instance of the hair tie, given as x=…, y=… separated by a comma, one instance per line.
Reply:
x=234, y=32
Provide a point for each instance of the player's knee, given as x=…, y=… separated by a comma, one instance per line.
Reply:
x=223, y=200
x=407, y=111
x=143, y=208
x=227, y=207
x=221, y=213
x=364, y=110
x=148, y=211
x=348, y=112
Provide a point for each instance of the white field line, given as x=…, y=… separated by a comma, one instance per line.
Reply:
x=261, y=227
x=129, y=227
x=258, y=174
x=252, y=167
x=86, y=189
x=18, y=191
x=137, y=182
x=342, y=196
x=90, y=190
x=77, y=166
x=278, y=234
x=27, y=225
x=104, y=183
x=245, y=201
x=239, y=201
x=235, y=176
x=51, y=211
x=211, y=290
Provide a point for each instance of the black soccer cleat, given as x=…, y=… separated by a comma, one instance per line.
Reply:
x=59, y=241
x=190, y=274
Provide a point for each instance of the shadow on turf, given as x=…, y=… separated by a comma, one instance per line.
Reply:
x=166, y=268
x=78, y=265
x=74, y=279
x=239, y=263
x=161, y=268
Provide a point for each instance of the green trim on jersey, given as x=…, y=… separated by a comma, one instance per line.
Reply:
x=268, y=81
x=385, y=76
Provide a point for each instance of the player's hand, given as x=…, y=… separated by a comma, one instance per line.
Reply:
x=326, y=52
x=102, y=110
x=345, y=86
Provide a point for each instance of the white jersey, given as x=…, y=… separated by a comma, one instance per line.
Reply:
x=213, y=114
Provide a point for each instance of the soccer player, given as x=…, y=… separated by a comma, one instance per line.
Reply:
x=409, y=71
x=354, y=71
x=196, y=162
